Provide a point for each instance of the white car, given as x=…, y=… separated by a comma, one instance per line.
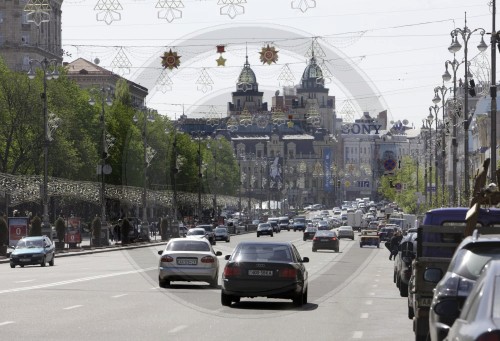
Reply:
x=188, y=259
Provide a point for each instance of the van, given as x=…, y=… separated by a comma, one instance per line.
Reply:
x=284, y=223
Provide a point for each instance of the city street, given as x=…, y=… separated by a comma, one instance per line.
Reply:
x=115, y=296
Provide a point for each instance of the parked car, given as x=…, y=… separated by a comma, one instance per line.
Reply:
x=188, y=259
x=264, y=228
x=402, y=262
x=33, y=251
x=325, y=240
x=479, y=319
x=345, y=232
x=310, y=232
x=452, y=290
x=209, y=231
x=259, y=269
x=221, y=233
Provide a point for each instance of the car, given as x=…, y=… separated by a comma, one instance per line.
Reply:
x=196, y=232
x=209, y=233
x=345, y=232
x=480, y=317
x=322, y=225
x=309, y=232
x=37, y=250
x=325, y=240
x=402, y=262
x=465, y=267
x=264, y=228
x=188, y=259
x=221, y=233
x=386, y=233
x=369, y=237
x=260, y=269
x=182, y=231
x=274, y=224
x=284, y=223
x=299, y=224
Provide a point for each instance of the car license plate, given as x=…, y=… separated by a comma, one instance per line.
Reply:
x=260, y=273
x=24, y=259
x=425, y=302
x=187, y=261
x=324, y=240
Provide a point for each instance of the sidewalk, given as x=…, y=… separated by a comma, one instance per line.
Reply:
x=85, y=249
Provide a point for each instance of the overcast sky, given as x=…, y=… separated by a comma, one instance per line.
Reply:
x=399, y=47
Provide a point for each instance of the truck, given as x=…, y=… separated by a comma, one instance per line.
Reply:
x=355, y=219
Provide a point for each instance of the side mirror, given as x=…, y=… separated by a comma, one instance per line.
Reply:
x=218, y=253
x=160, y=252
x=433, y=275
x=226, y=257
x=305, y=260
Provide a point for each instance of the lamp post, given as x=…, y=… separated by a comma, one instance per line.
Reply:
x=148, y=155
x=218, y=145
x=443, y=90
x=465, y=33
x=105, y=141
x=49, y=69
x=433, y=117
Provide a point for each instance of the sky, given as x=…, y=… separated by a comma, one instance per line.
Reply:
x=377, y=55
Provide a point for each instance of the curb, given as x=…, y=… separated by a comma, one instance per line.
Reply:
x=82, y=252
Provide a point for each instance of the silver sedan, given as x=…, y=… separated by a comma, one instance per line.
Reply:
x=345, y=232
x=188, y=259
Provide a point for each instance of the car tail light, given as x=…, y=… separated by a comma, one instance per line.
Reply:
x=208, y=259
x=166, y=259
x=489, y=336
x=288, y=273
x=334, y=238
x=231, y=271
x=315, y=238
x=456, y=285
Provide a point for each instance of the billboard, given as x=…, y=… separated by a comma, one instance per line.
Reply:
x=73, y=233
x=18, y=228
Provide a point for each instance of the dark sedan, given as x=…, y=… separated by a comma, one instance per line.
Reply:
x=310, y=232
x=33, y=251
x=265, y=228
x=325, y=240
x=259, y=269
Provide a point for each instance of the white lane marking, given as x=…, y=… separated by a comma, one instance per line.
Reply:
x=77, y=280
x=357, y=335
x=73, y=307
x=177, y=329
x=118, y=296
x=369, y=302
x=26, y=281
x=364, y=315
x=6, y=323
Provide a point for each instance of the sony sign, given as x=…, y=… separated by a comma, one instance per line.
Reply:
x=361, y=128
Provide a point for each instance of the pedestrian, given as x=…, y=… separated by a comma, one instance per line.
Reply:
x=395, y=240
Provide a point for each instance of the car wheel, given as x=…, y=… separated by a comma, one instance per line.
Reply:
x=360, y=245
x=258, y=235
x=337, y=250
x=304, y=298
x=397, y=281
x=314, y=250
x=214, y=283
x=12, y=266
x=403, y=289
x=225, y=300
x=352, y=238
x=378, y=246
x=304, y=239
x=163, y=283
x=294, y=230
x=43, y=261
x=411, y=314
x=51, y=263
x=236, y=299
x=272, y=235
x=298, y=300
x=394, y=276
x=22, y=266
x=227, y=240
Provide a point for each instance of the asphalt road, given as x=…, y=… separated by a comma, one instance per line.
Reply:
x=115, y=296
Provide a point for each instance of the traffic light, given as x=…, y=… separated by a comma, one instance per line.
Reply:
x=338, y=183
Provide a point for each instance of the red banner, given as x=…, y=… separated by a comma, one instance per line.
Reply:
x=73, y=234
x=18, y=228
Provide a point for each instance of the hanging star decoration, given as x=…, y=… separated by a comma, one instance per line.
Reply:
x=221, y=61
x=37, y=11
x=303, y=5
x=232, y=8
x=204, y=81
x=108, y=11
x=170, y=60
x=169, y=9
x=268, y=55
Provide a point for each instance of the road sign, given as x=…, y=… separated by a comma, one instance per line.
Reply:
x=398, y=186
x=389, y=164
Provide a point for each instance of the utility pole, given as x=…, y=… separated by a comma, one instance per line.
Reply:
x=493, y=94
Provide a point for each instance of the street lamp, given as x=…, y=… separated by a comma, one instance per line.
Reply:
x=216, y=184
x=434, y=118
x=443, y=90
x=49, y=69
x=106, y=142
x=465, y=33
x=148, y=155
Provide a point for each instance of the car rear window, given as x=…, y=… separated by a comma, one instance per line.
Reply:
x=262, y=253
x=187, y=245
x=469, y=263
x=325, y=233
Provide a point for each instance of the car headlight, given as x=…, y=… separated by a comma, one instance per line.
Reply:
x=13, y=256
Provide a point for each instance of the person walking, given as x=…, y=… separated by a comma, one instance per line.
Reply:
x=395, y=240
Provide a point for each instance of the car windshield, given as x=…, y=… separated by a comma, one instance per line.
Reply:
x=29, y=244
x=311, y=229
x=220, y=230
x=262, y=253
x=345, y=228
x=469, y=263
x=187, y=245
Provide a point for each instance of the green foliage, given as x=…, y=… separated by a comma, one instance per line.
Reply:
x=60, y=228
x=4, y=232
x=96, y=231
x=36, y=226
x=125, y=230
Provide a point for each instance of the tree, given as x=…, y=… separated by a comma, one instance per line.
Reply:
x=36, y=227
